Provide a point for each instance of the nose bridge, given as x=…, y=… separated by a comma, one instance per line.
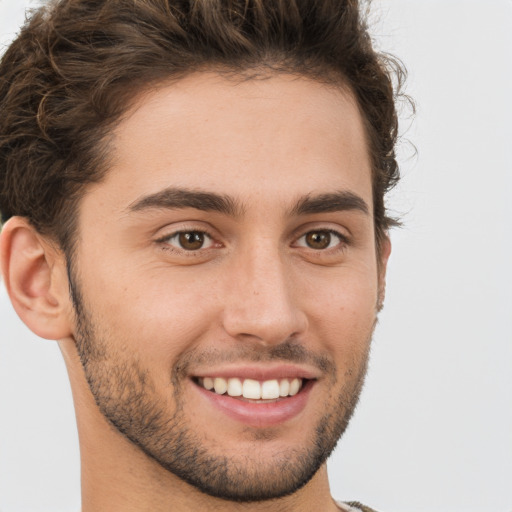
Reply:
x=262, y=303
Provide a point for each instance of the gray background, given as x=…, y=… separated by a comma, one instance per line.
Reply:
x=434, y=427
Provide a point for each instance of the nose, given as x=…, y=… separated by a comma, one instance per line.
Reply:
x=263, y=300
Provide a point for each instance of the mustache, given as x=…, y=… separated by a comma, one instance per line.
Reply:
x=288, y=351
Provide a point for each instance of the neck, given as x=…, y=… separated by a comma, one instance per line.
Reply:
x=123, y=491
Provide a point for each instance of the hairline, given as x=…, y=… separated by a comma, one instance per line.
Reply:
x=137, y=96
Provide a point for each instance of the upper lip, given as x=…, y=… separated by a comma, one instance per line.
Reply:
x=259, y=372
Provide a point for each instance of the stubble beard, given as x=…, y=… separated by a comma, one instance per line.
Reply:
x=126, y=395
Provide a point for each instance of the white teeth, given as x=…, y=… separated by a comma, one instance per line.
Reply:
x=270, y=389
x=220, y=385
x=252, y=389
x=284, y=387
x=234, y=387
x=208, y=383
x=294, y=387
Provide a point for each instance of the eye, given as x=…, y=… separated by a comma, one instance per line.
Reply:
x=321, y=239
x=189, y=240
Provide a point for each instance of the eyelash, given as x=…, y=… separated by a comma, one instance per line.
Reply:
x=343, y=240
x=164, y=241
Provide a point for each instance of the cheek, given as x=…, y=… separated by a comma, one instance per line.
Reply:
x=343, y=313
x=154, y=318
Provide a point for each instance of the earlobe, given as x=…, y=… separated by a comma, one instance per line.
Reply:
x=34, y=274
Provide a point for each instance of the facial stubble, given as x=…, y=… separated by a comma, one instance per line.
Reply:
x=127, y=396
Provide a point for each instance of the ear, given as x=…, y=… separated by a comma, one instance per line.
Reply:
x=35, y=276
x=385, y=251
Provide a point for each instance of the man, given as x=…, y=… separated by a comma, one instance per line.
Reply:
x=193, y=206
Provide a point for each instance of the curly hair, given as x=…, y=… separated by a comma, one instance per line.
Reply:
x=70, y=75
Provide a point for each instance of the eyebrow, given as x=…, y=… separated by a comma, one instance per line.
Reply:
x=179, y=198
x=331, y=202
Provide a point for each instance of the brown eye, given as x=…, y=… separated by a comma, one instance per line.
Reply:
x=318, y=239
x=321, y=239
x=190, y=240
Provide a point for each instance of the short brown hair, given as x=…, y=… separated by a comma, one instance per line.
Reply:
x=70, y=75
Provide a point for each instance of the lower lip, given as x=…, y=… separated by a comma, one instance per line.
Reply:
x=265, y=414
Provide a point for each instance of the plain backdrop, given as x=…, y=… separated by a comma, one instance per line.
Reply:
x=433, y=431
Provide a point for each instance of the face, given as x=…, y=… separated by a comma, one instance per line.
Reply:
x=226, y=282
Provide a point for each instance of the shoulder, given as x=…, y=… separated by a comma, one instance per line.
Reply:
x=354, y=506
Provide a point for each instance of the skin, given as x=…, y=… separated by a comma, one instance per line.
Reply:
x=153, y=316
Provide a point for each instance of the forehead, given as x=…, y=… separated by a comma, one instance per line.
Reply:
x=273, y=138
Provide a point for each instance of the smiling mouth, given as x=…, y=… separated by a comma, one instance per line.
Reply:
x=250, y=389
